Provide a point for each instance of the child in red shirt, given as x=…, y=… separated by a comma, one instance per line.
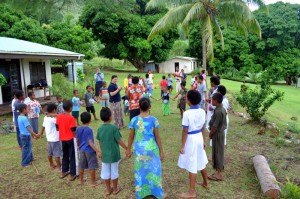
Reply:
x=66, y=126
x=163, y=84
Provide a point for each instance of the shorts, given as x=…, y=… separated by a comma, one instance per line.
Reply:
x=88, y=160
x=75, y=114
x=170, y=87
x=133, y=113
x=90, y=109
x=110, y=171
x=54, y=149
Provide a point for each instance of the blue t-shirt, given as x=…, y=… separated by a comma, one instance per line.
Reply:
x=76, y=103
x=170, y=81
x=23, y=123
x=99, y=78
x=84, y=134
x=16, y=112
x=116, y=98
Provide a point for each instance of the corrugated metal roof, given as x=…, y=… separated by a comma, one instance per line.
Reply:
x=185, y=58
x=16, y=47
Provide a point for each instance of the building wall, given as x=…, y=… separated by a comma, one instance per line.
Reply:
x=25, y=63
x=169, y=66
x=149, y=66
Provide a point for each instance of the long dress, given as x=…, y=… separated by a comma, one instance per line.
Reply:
x=147, y=164
x=166, y=104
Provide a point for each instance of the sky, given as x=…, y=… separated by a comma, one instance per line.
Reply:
x=274, y=1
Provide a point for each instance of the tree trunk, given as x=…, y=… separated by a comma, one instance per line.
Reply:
x=266, y=178
x=138, y=64
x=204, y=64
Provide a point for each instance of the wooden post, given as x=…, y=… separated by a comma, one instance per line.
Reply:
x=266, y=178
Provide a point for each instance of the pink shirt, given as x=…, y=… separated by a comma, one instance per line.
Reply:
x=34, y=109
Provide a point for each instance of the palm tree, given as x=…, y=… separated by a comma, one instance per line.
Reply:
x=208, y=13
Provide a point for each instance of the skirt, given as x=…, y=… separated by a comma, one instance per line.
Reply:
x=117, y=114
x=194, y=158
x=166, y=108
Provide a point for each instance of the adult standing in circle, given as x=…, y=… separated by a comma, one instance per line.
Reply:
x=178, y=79
x=115, y=102
x=135, y=93
x=99, y=78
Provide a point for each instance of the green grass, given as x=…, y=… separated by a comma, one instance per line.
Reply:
x=240, y=177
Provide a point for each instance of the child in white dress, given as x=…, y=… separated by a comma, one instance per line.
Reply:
x=192, y=153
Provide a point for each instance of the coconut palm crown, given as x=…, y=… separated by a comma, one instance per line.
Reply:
x=208, y=13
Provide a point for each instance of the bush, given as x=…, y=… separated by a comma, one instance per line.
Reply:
x=2, y=80
x=290, y=190
x=258, y=100
x=62, y=86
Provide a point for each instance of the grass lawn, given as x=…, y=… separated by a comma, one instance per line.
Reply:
x=240, y=178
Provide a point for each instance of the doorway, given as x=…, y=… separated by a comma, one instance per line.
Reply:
x=10, y=69
x=176, y=65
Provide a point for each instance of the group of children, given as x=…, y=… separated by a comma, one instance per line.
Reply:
x=65, y=138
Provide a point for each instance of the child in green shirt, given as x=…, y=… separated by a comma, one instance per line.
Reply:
x=109, y=139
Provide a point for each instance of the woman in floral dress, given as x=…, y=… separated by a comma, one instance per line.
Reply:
x=148, y=152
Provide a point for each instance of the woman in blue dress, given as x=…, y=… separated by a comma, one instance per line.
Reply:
x=148, y=152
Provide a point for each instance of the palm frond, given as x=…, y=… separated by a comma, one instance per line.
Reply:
x=193, y=14
x=260, y=4
x=207, y=29
x=152, y=4
x=172, y=18
x=219, y=32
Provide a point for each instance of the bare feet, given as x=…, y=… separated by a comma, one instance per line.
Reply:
x=203, y=185
x=63, y=175
x=187, y=195
x=72, y=178
x=117, y=191
x=215, y=177
x=95, y=184
x=53, y=166
x=108, y=193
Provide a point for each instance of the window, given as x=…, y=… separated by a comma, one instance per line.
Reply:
x=37, y=71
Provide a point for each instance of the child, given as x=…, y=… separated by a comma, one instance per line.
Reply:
x=59, y=104
x=192, y=153
x=201, y=87
x=13, y=103
x=181, y=98
x=109, y=138
x=88, y=150
x=104, y=96
x=76, y=105
x=25, y=134
x=34, y=109
x=20, y=97
x=148, y=153
x=165, y=102
x=217, y=126
x=66, y=126
x=222, y=89
x=148, y=84
x=126, y=104
x=214, y=83
x=89, y=100
x=163, y=84
x=194, y=86
x=170, y=83
x=193, y=80
x=147, y=95
x=54, y=146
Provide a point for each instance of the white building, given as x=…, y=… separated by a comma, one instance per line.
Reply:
x=188, y=64
x=25, y=63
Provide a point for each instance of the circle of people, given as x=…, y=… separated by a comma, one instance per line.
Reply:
x=207, y=113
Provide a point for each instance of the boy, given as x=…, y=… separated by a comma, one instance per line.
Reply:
x=192, y=153
x=181, y=98
x=126, y=104
x=25, y=134
x=201, y=87
x=66, y=126
x=134, y=93
x=59, y=104
x=222, y=89
x=109, y=138
x=54, y=146
x=104, y=96
x=170, y=83
x=34, y=109
x=19, y=100
x=148, y=84
x=76, y=105
x=163, y=84
x=217, y=126
x=89, y=100
x=88, y=151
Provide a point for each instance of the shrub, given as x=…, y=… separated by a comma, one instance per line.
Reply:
x=62, y=86
x=258, y=100
x=290, y=190
x=2, y=80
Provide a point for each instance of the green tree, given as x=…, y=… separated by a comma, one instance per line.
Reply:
x=208, y=13
x=8, y=18
x=123, y=27
x=179, y=48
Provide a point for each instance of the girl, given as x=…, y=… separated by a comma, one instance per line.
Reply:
x=104, y=95
x=165, y=97
x=181, y=98
x=148, y=152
